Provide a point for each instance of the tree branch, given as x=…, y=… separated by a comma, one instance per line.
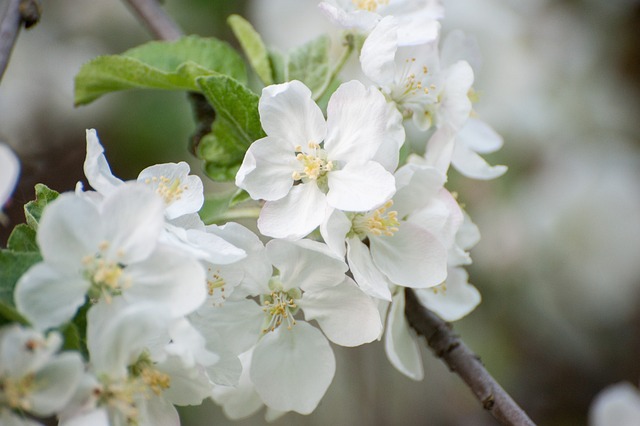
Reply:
x=15, y=14
x=466, y=364
x=155, y=19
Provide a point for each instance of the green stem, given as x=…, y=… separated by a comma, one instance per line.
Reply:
x=234, y=214
x=349, y=44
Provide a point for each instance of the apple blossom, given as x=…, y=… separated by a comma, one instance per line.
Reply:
x=9, y=171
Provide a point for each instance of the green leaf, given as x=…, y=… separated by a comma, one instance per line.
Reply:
x=278, y=64
x=33, y=209
x=253, y=47
x=309, y=63
x=12, y=266
x=236, y=127
x=158, y=65
x=23, y=239
x=240, y=196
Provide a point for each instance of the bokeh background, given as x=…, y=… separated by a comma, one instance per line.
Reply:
x=559, y=262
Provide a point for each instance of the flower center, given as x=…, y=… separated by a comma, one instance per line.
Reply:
x=169, y=189
x=378, y=222
x=106, y=276
x=412, y=87
x=216, y=286
x=279, y=306
x=313, y=165
x=15, y=391
x=370, y=5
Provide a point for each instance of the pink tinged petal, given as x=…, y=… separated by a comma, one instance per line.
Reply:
x=69, y=230
x=377, y=56
x=388, y=155
x=9, y=171
x=456, y=106
x=56, y=383
x=400, y=343
x=170, y=278
x=417, y=187
x=412, y=257
x=189, y=195
x=306, y=264
x=48, y=298
x=292, y=369
x=346, y=315
x=266, y=170
x=454, y=301
x=96, y=168
x=471, y=165
x=367, y=275
x=356, y=123
x=440, y=148
x=288, y=112
x=295, y=215
x=240, y=401
x=360, y=187
x=237, y=323
x=334, y=230
x=133, y=218
x=616, y=405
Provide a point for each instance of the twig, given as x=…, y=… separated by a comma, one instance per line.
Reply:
x=466, y=364
x=16, y=13
x=155, y=19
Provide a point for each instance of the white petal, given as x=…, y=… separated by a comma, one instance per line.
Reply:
x=9, y=171
x=377, y=56
x=417, y=186
x=157, y=411
x=242, y=400
x=440, y=148
x=479, y=137
x=96, y=168
x=237, y=323
x=96, y=417
x=441, y=217
x=170, y=278
x=306, y=264
x=133, y=218
x=25, y=350
x=454, y=301
x=295, y=215
x=356, y=122
x=346, y=315
x=367, y=275
x=388, y=155
x=360, y=187
x=218, y=250
x=399, y=342
x=48, y=298
x=288, y=112
x=162, y=177
x=412, y=257
x=471, y=165
x=70, y=228
x=419, y=28
x=456, y=106
x=292, y=369
x=189, y=385
x=360, y=19
x=56, y=383
x=616, y=405
x=266, y=170
x=458, y=46
x=334, y=231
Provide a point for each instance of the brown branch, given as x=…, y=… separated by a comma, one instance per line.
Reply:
x=462, y=361
x=155, y=19
x=15, y=14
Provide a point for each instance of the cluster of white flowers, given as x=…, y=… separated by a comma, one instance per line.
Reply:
x=178, y=311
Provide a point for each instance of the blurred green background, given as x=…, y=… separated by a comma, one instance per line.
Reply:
x=559, y=262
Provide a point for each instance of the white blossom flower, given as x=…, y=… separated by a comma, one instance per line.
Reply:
x=292, y=363
x=303, y=178
x=418, y=19
x=103, y=252
x=424, y=88
x=9, y=171
x=133, y=379
x=34, y=377
x=616, y=405
x=405, y=246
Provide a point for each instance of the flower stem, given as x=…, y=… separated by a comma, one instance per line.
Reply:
x=349, y=43
x=466, y=364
